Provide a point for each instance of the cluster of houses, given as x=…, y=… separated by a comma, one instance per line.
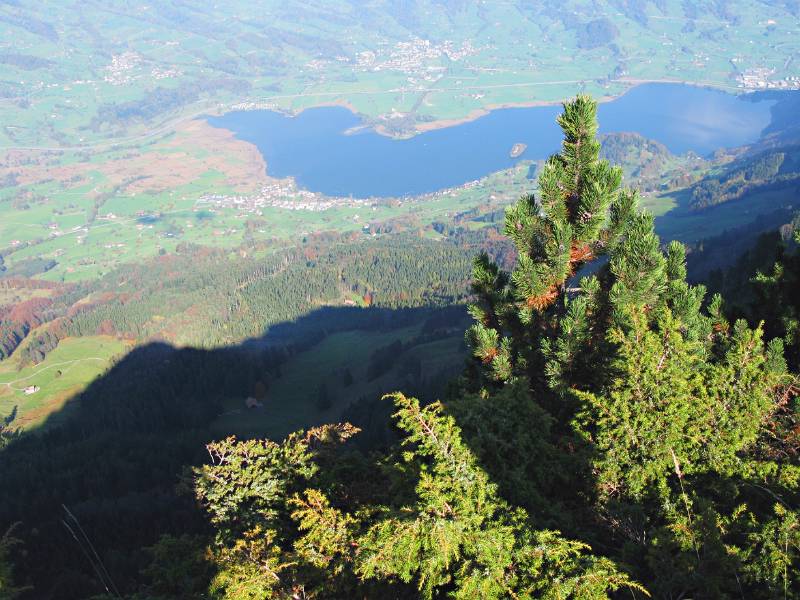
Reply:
x=762, y=79
x=121, y=71
x=413, y=56
x=280, y=194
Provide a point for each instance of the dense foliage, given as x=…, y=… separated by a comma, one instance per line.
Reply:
x=8, y=590
x=677, y=422
x=616, y=433
x=287, y=528
x=778, y=299
x=646, y=162
x=763, y=283
x=8, y=433
x=607, y=404
x=207, y=298
x=770, y=170
x=771, y=295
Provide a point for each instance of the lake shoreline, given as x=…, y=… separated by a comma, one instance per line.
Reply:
x=372, y=123
x=629, y=83
x=333, y=150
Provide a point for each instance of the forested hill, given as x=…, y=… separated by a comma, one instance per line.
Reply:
x=775, y=169
x=623, y=434
x=207, y=298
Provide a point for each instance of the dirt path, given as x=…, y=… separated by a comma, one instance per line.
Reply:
x=71, y=363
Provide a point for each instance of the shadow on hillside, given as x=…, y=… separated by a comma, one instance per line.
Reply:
x=753, y=212
x=116, y=456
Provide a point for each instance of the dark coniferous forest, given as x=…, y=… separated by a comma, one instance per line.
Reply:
x=616, y=430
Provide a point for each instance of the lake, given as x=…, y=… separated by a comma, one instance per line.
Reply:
x=316, y=149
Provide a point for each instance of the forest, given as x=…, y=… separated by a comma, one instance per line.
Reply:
x=618, y=429
x=767, y=171
x=206, y=298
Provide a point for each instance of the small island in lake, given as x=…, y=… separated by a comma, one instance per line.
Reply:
x=517, y=150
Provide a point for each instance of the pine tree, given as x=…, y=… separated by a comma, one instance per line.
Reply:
x=279, y=534
x=778, y=300
x=8, y=591
x=460, y=535
x=7, y=433
x=248, y=492
x=666, y=402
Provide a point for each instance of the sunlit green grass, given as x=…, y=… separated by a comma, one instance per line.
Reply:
x=64, y=373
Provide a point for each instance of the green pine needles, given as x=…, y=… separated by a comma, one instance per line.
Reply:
x=616, y=436
x=666, y=403
x=444, y=532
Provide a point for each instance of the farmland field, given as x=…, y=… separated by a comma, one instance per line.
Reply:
x=78, y=77
x=64, y=373
x=292, y=401
x=105, y=157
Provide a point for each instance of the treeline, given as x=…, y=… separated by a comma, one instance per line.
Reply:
x=37, y=349
x=596, y=33
x=205, y=298
x=27, y=62
x=162, y=100
x=772, y=170
x=645, y=162
x=763, y=285
x=17, y=320
x=29, y=267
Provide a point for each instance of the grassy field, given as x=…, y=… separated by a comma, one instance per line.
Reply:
x=689, y=226
x=93, y=220
x=291, y=401
x=65, y=372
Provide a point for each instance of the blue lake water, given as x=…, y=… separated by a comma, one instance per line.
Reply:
x=315, y=148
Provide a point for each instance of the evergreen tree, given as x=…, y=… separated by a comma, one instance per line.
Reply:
x=7, y=433
x=443, y=531
x=778, y=300
x=8, y=591
x=251, y=491
x=672, y=416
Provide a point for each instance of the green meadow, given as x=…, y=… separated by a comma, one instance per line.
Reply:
x=63, y=374
x=292, y=399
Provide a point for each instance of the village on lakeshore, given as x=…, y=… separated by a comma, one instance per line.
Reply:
x=285, y=194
